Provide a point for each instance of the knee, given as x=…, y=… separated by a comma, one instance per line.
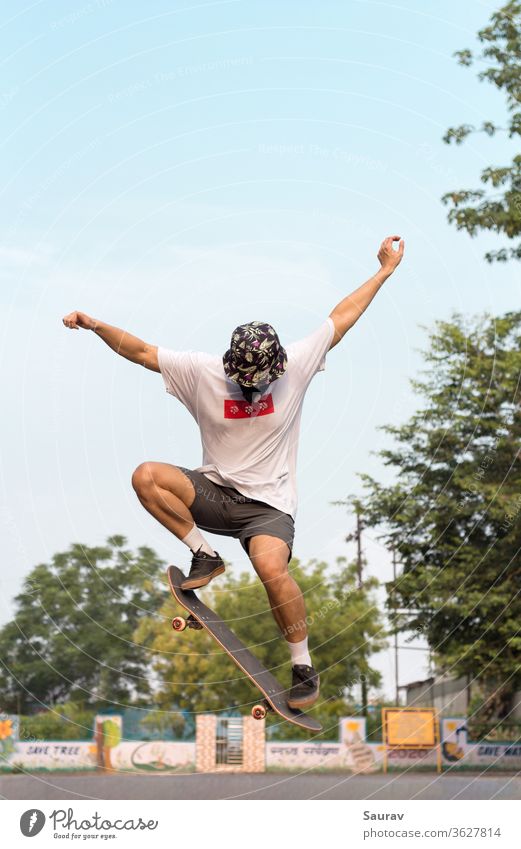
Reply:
x=143, y=478
x=272, y=571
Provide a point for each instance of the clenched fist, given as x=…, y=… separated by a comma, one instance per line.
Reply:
x=76, y=319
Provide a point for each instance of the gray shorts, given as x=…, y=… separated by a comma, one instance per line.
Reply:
x=222, y=510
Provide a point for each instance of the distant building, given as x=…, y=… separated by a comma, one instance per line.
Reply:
x=450, y=696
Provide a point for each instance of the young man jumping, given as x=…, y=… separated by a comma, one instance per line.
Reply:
x=248, y=406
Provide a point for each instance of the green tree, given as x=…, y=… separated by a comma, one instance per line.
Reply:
x=71, y=637
x=195, y=675
x=497, y=207
x=454, y=511
x=163, y=725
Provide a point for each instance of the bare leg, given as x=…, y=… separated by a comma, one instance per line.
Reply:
x=269, y=556
x=167, y=493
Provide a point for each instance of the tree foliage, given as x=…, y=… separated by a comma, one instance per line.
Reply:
x=93, y=628
x=195, y=675
x=454, y=512
x=498, y=206
x=72, y=634
x=70, y=721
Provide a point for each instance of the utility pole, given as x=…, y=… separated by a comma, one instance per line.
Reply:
x=357, y=537
x=397, y=691
x=359, y=566
x=359, y=547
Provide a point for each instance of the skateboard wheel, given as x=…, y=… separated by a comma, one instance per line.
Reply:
x=178, y=623
x=258, y=711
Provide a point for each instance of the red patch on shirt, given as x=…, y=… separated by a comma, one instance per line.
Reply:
x=243, y=410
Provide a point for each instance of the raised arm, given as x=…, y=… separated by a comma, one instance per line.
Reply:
x=120, y=341
x=348, y=311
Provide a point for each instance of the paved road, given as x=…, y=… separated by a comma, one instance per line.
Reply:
x=267, y=786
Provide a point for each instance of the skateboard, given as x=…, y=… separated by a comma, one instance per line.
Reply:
x=200, y=616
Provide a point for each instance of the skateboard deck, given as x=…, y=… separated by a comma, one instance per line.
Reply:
x=202, y=617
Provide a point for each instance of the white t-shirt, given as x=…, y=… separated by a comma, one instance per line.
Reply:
x=251, y=447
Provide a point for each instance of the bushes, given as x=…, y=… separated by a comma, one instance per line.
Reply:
x=64, y=722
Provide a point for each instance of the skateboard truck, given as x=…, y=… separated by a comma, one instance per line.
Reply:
x=179, y=623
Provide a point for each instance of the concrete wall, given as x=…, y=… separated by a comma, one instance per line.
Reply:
x=352, y=752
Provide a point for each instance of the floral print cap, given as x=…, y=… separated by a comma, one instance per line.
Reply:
x=255, y=355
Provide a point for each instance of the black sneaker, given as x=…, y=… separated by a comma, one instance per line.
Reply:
x=305, y=687
x=204, y=567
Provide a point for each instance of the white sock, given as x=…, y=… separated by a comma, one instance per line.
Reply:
x=195, y=540
x=299, y=653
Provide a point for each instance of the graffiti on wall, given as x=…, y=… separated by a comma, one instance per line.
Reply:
x=458, y=749
x=358, y=755
x=303, y=755
x=351, y=752
x=155, y=756
x=47, y=755
x=8, y=735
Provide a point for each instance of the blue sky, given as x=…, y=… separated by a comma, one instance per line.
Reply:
x=177, y=169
